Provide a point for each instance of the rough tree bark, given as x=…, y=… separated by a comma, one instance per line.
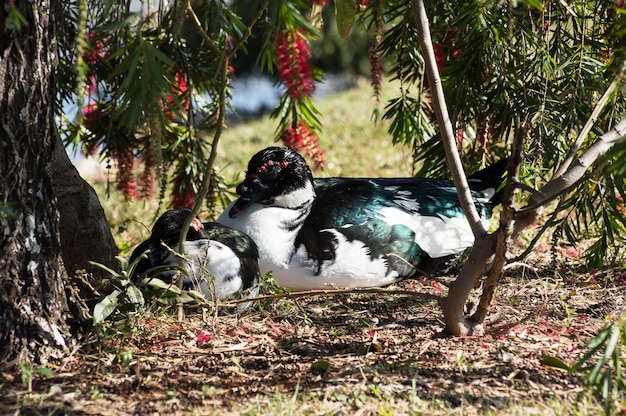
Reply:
x=38, y=310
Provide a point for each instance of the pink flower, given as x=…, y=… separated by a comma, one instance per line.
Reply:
x=125, y=177
x=183, y=194
x=204, y=337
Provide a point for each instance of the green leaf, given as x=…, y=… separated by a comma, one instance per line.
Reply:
x=346, y=13
x=109, y=270
x=123, y=262
x=160, y=284
x=43, y=371
x=105, y=307
x=320, y=367
x=554, y=362
x=134, y=295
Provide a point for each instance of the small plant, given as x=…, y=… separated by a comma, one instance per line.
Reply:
x=605, y=377
x=28, y=373
x=131, y=296
x=459, y=359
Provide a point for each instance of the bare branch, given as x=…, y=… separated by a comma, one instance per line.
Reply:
x=332, y=292
x=443, y=118
x=587, y=128
x=506, y=228
x=563, y=183
x=179, y=11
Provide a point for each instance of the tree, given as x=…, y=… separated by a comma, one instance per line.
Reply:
x=38, y=309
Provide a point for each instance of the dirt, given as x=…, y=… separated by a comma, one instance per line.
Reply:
x=343, y=354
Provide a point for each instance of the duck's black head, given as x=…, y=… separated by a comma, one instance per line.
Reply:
x=273, y=175
x=169, y=225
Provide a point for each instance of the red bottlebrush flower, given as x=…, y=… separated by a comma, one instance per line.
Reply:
x=180, y=89
x=439, y=56
x=91, y=114
x=621, y=207
x=125, y=176
x=95, y=48
x=204, y=337
x=303, y=139
x=183, y=194
x=294, y=68
x=322, y=3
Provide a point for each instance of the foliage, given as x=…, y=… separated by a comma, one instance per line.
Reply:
x=131, y=296
x=500, y=62
x=604, y=375
x=29, y=372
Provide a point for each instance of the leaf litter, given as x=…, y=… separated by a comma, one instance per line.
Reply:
x=343, y=354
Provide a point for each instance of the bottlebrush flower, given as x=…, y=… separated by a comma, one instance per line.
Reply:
x=125, y=177
x=376, y=66
x=95, y=49
x=303, y=139
x=91, y=114
x=183, y=194
x=181, y=90
x=147, y=176
x=294, y=68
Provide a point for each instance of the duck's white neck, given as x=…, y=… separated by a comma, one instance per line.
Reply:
x=302, y=197
x=274, y=227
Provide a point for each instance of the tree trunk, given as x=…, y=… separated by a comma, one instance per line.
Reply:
x=85, y=233
x=35, y=317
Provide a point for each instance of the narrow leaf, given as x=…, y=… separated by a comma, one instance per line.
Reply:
x=346, y=13
x=555, y=362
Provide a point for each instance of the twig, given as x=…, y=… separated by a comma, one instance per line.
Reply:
x=586, y=129
x=331, y=292
x=443, y=119
x=495, y=330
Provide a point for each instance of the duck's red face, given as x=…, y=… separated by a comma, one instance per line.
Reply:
x=272, y=172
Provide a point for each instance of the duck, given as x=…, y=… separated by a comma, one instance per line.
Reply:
x=342, y=232
x=220, y=262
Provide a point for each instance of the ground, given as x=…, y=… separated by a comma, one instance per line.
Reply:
x=339, y=354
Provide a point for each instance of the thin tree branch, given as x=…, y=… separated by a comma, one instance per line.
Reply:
x=194, y=17
x=557, y=186
x=206, y=180
x=226, y=53
x=506, y=228
x=443, y=118
x=331, y=292
x=587, y=128
x=179, y=11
